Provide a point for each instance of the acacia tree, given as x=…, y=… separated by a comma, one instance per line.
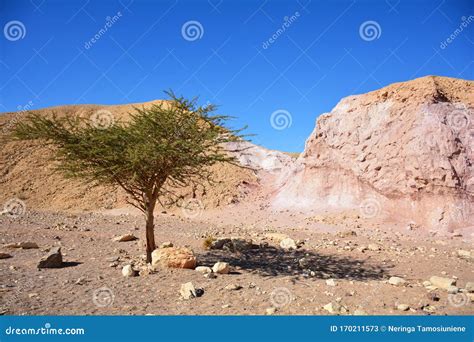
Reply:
x=161, y=148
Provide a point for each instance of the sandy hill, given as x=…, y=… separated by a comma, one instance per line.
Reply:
x=26, y=172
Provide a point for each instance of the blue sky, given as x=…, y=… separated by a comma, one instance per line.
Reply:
x=227, y=56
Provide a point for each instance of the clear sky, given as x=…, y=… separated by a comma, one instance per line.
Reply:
x=292, y=59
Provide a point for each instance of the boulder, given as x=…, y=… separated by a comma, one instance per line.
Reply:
x=221, y=268
x=125, y=238
x=174, y=257
x=233, y=244
x=54, y=259
x=441, y=282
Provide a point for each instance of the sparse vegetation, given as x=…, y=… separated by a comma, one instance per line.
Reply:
x=162, y=148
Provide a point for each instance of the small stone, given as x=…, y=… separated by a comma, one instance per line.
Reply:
x=360, y=312
x=5, y=255
x=166, y=244
x=396, y=281
x=233, y=287
x=54, y=259
x=203, y=269
x=125, y=238
x=426, y=283
x=429, y=308
x=452, y=289
x=271, y=311
x=433, y=296
x=330, y=282
x=469, y=287
x=225, y=306
x=210, y=275
x=373, y=247
x=188, y=291
x=221, y=268
x=128, y=271
x=441, y=282
x=464, y=254
x=403, y=307
x=288, y=244
x=334, y=308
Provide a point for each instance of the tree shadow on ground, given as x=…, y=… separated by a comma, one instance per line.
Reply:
x=271, y=261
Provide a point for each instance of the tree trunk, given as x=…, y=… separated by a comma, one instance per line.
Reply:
x=150, y=234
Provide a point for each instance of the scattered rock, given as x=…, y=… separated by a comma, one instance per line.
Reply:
x=233, y=244
x=128, y=271
x=433, y=296
x=373, y=247
x=221, y=268
x=277, y=237
x=330, y=282
x=233, y=287
x=174, y=257
x=452, y=289
x=24, y=245
x=397, y=281
x=288, y=244
x=469, y=286
x=347, y=233
x=360, y=312
x=441, y=282
x=54, y=259
x=203, y=269
x=166, y=244
x=464, y=254
x=125, y=238
x=5, y=255
x=270, y=311
x=403, y=307
x=210, y=275
x=335, y=308
x=188, y=291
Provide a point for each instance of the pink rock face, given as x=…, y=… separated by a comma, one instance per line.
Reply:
x=404, y=151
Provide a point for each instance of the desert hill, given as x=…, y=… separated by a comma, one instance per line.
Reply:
x=26, y=172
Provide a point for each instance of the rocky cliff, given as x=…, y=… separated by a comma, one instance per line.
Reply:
x=404, y=151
